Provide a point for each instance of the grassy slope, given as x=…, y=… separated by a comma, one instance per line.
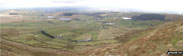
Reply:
x=29, y=32
x=73, y=30
x=154, y=43
x=9, y=48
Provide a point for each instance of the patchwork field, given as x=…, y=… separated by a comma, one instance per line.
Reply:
x=79, y=32
x=73, y=33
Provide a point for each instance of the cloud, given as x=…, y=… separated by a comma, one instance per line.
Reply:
x=145, y=5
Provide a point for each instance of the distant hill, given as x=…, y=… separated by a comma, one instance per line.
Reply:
x=173, y=16
x=149, y=17
x=59, y=9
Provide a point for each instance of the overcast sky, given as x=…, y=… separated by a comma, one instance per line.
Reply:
x=145, y=5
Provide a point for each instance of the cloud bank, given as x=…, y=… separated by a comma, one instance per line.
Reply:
x=145, y=5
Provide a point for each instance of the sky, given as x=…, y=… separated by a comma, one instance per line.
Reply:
x=144, y=5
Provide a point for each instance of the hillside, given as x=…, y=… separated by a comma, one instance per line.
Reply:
x=155, y=43
x=149, y=42
x=9, y=48
x=87, y=34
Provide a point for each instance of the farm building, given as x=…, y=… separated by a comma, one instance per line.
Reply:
x=13, y=13
x=126, y=18
x=86, y=40
x=50, y=16
x=109, y=23
x=65, y=19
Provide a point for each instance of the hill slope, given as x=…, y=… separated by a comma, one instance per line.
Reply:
x=154, y=43
x=9, y=48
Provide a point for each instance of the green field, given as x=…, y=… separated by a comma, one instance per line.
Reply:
x=71, y=31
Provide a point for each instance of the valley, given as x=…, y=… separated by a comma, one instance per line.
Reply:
x=37, y=33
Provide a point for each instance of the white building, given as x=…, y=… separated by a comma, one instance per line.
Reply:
x=126, y=18
x=50, y=16
x=65, y=19
x=110, y=23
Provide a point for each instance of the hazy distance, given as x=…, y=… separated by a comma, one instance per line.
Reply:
x=171, y=6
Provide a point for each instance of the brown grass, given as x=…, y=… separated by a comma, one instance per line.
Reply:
x=150, y=42
x=9, y=48
x=153, y=43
